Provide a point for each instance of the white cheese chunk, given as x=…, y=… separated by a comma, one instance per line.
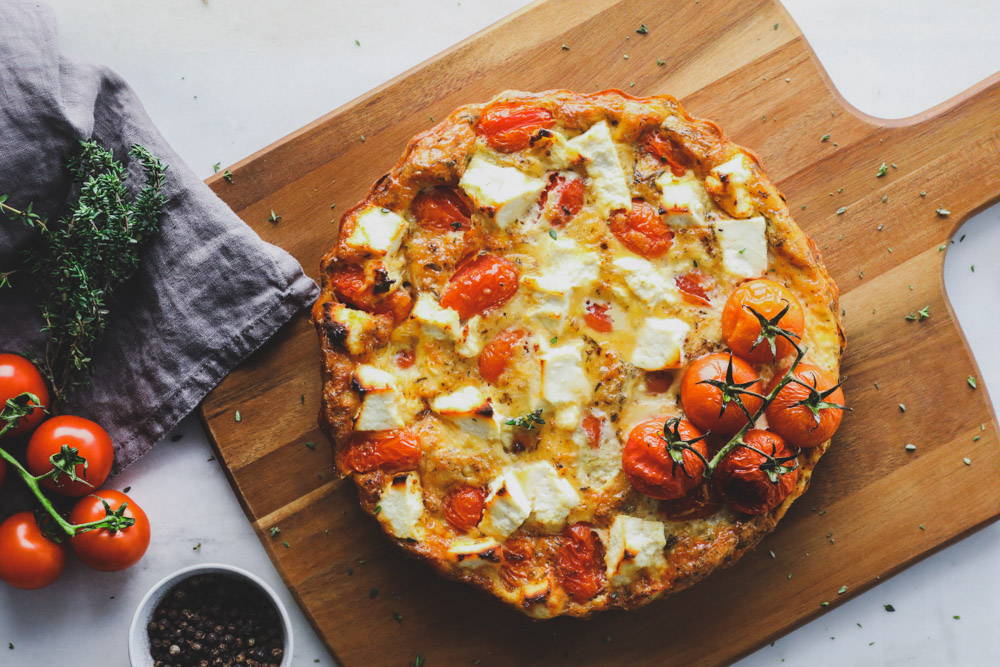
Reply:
x=506, y=192
x=564, y=381
x=608, y=182
x=660, y=344
x=634, y=544
x=650, y=284
x=470, y=341
x=436, y=321
x=732, y=178
x=378, y=231
x=349, y=326
x=744, y=246
x=506, y=508
x=474, y=552
x=559, y=154
x=470, y=410
x=598, y=464
x=683, y=199
x=402, y=506
x=552, y=496
x=380, y=406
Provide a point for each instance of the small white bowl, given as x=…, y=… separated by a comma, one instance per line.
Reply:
x=138, y=640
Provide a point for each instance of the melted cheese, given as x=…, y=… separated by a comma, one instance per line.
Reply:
x=684, y=199
x=355, y=323
x=653, y=285
x=734, y=176
x=380, y=406
x=507, y=507
x=660, y=344
x=552, y=496
x=470, y=410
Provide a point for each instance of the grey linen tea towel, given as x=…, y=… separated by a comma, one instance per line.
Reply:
x=208, y=292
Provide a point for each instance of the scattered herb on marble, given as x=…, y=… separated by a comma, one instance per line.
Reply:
x=889, y=607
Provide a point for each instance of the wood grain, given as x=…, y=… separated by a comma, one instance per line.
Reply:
x=725, y=60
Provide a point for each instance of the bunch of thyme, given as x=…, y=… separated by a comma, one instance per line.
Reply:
x=85, y=255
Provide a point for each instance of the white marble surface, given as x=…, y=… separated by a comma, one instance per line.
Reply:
x=223, y=78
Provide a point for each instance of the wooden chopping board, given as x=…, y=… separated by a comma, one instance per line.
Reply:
x=873, y=508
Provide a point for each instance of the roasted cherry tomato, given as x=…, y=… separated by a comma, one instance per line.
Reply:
x=658, y=382
x=496, y=354
x=642, y=230
x=592, y=426
x=701, y=502
x=563, y=199
x=18, y=375
x=695, y=286
x=703, y=402
x=596, y=316
x=755, y=483
x=441, y=209
x=353, y=287
x=517, y=564
x=649, y=466
x=508, y=127
x=789, y=414
x=90, y=441
x=667, y=151
x=741, y=328
x=485, y=282
x=580, y=563
x=28, y=559
x=102, y=549
x=382, y=450
x=463, y=506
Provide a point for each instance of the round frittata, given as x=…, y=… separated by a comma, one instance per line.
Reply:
x=575, y=351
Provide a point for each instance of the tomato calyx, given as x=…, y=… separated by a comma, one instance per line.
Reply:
x=17, y=407
x=731, y=391
x=676, y=445
x=815, y=401
x=775, y=467
x=64, y=462
x=770, y=331
x=113, y=521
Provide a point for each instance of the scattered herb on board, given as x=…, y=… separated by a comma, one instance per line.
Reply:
x=83, y=257
x=228, y=176
x=842, y=210
x=972, y=381
x=882, y=171
x=942, y=211
x=274, y=217
x=275, y=531
x=825, y=138
x=911, y=448
x=642, y=29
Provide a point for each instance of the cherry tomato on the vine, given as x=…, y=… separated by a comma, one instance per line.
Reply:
x=91, y=442
x=28, y=559
x=102, y=549
x=789, y=414
x=485, y=282
x=463, y=506
x=649, y=466
x=18, y=375
x=742, y=477
x=441, y=209
x=642, y=230
x=496, y=354
x=741, y=328
x=703, y=402
x=509, y=127
x=368, y=451
x=579, y=562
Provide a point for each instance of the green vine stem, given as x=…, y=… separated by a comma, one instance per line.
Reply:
x=18, y=407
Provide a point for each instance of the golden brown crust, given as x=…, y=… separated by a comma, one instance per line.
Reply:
x=439, y=157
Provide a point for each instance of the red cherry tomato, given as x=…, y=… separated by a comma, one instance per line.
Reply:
x=463, y=506
x=91, y=442
x=563, y=199
x=496, y=354
x=741, y=328
x=649, y=466
x=18, y=375
x=580, y=563
x=667, y=151
x=28, y=559
x=597, y=318
x=102, y=549
x=641, y=230
x=441, y=209
x=382, y=450
x=796, y=423
x=744, y=483
x=695, y=286
x=703, y=402
x=485, y=282
x=509, y=127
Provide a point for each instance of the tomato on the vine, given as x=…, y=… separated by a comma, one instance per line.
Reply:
x=485, y=282
x=703, y=402
x=642, y=230
x=28, y=559
x=496, y=354
x=791, y=414
x=579, y=562
x=463, y=506
x=509, y=127
x=368, y=451
x=752, y=482
x=742, y=329
x=103, y=549
x=18, y=375
x=649, y=465
x=91, y=442
x=441, y=209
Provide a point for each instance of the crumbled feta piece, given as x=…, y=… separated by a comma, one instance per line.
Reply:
x=660, y=344
x=607, y=178
x=470, y=410
x=566, y=269
x=598, y=466
x=470, y=342
x=436, y=321
x=650, y=284
x=507, y=507
x=402, y=506
x=564, y=381
x=634, y=544
x=380, y=406
x=506, y=192
x=730, y=182
x=552, y=496
x=474, y=552
x=378, y=231
x=348, y=326
x=744, y=246
x=683, y=199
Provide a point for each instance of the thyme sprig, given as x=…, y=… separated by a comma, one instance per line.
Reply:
x=527, y=421
x=85, y=255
